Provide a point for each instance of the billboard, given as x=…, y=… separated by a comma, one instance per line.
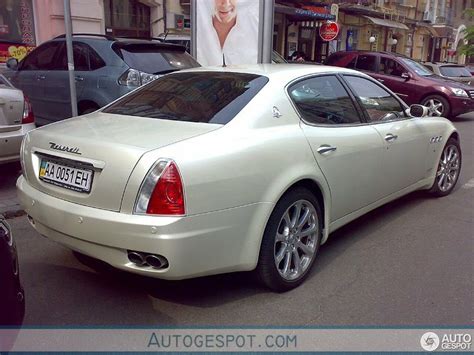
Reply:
x=17, y=36
x=227, y=31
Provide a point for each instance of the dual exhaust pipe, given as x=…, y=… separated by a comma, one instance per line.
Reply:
x=143, y=259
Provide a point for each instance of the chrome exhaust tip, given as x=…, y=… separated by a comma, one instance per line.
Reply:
x=136, y=258
x=156, y=261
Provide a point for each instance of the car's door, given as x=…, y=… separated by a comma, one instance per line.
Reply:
x=406, y=140
x=32, y=74
x=348, y=151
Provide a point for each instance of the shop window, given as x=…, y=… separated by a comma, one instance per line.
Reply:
x=127, y=18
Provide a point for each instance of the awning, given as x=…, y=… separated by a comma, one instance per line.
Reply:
x=298, y=14
x=387, y=23
x=443, y=30
x=428, y=28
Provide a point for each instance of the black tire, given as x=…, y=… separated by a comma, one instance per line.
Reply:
x=447, y=170
x=431, y=100
x=267, y=269
x=88, y=109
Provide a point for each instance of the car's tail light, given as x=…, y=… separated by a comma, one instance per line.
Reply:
x=162, y=191
x=133, y=77
x=28, y=116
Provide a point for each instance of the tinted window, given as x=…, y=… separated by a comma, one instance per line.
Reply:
x=96, y=61
x=391, y=67
x=85, y=58
x=454, y=71
x=154, y=59
x=366, y=62
x=323, y=100
x=41, y=58
x=194, y=97
x=379, y=103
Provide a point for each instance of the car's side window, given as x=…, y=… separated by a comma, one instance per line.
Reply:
x=391, y=67
x=366, y=62
x=379, y=104
x=85, y=58
x=323, y=100
x=41, y=58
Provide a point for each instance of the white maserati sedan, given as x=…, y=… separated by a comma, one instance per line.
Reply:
x=216, y=170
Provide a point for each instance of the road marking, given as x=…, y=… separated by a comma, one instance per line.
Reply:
x=469, y=184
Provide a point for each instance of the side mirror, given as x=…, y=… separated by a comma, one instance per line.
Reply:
x=418, y=111
x=406, y=76
x=12, y=64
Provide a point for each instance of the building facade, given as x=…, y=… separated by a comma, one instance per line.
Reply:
x=423, y=29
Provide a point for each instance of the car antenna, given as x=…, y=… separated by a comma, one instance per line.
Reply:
x=223, y=61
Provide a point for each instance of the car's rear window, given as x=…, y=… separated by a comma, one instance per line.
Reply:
x=454, y=71
x=209, y=97
x=155, y=59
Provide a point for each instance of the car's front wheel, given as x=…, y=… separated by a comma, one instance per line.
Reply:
x=449, y=168
x=437, y=105
x=291, y=241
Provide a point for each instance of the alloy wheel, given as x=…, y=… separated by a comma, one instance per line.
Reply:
x=296, y=240
x=435, y=107
x=448, y=169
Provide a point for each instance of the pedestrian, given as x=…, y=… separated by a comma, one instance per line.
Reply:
x=298, y=56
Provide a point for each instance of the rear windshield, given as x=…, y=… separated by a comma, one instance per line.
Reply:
x=154, y=59
x=454, y=71
x=207, y=97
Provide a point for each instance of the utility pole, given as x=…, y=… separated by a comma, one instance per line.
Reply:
x=70, y=56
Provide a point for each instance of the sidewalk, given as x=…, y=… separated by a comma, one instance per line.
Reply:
x=9, y=204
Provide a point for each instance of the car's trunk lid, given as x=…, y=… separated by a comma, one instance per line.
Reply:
x=11, y=109
x=108, y=146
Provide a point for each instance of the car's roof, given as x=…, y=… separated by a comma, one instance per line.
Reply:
x=288, y=71
x=445, y=64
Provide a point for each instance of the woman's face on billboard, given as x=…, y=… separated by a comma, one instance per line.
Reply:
x=225, y=10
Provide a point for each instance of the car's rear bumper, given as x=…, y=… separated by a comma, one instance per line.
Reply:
x=461, y=106
x=10, y=142
x=210, y=243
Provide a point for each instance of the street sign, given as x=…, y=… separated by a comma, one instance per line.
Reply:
x=329, y=31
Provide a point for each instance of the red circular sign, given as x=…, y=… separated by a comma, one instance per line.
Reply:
x=329, y=31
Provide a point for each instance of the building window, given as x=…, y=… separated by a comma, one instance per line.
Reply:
x=127, y=18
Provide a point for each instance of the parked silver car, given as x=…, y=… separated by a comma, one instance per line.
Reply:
x=451, y=71
x=105, y=69
x=16, y=119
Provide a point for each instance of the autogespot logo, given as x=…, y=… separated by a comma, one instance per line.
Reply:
x=429, y=341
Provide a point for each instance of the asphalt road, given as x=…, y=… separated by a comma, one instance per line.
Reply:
x=407, y=263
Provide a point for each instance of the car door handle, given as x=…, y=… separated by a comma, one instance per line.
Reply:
x=381, y=80
x=40, y=77
x=390, y=137
x=326, y=149
x=78, y=78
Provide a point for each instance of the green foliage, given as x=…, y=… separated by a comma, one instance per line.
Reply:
x=468, y=49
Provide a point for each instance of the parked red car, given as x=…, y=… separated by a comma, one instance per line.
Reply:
x=410, y=80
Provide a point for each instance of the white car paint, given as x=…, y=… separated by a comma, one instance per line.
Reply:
x=233, y=176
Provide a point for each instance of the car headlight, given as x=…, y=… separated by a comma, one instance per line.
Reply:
x=459, y=92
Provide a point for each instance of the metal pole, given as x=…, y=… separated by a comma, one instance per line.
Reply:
x=70, y=56
x=193, y=29
x=267, y=45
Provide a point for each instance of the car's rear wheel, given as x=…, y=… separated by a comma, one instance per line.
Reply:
x=449, y=168
x=291, y=241
x=437, y=105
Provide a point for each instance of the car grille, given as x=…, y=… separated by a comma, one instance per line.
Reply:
x=471, y=93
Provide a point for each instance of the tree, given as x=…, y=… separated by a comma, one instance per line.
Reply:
x=468, y=49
